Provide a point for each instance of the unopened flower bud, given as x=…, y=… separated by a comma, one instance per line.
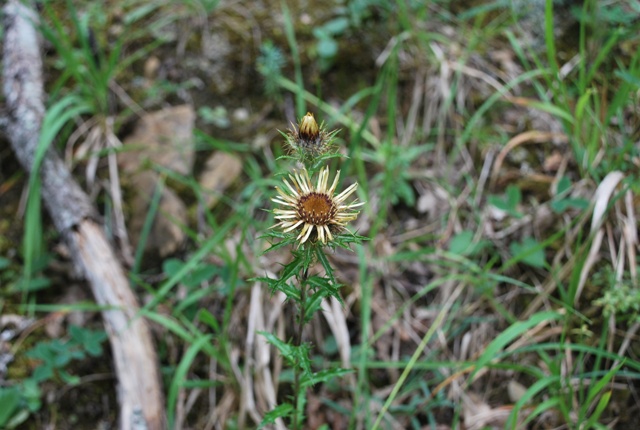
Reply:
x=309, y=129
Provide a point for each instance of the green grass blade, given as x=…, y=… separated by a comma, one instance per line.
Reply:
x=295, y=54
x=598, y=387
x=148, y=224
x=509, y=335
x=205, y=249
x=181, y=375
x=595, y=416
x=55, y=118
x=537, y=387
x=416, y=355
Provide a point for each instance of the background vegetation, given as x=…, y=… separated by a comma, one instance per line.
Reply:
x=496, y=143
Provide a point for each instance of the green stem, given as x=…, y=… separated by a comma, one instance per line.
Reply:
x=297, y=421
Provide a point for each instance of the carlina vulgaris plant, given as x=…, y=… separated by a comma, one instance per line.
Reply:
x=310, y=218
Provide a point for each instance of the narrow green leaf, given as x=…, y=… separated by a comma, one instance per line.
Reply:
x=598, y=387
x=580, y=107
x=207, y=317
x=538, y=386
x=181, y=375
x=545, y=405
x=289, y=30
x=553, y=110
x=204, y=250
x=513, y=332
x=148, y=224
x=602, y=404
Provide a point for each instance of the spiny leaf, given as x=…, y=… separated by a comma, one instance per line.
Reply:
x=283, y=410
x=324, y=376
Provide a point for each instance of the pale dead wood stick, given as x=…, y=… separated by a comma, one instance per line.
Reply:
x=140, y=394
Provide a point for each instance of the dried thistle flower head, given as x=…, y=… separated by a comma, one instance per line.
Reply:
x=314, y=211
x=309, y=139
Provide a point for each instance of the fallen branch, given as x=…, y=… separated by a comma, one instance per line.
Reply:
x=140, y=393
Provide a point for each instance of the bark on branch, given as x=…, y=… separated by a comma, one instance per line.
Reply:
x=140, y=393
